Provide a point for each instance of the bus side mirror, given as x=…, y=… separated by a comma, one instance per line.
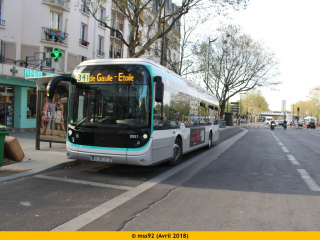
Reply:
x=159, y=89
x=54, y=82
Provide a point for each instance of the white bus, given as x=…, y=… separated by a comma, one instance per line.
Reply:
x=308, y=119
x=137, y=112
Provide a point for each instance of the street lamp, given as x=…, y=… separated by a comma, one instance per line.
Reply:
x=162, y=43
x=207, y=77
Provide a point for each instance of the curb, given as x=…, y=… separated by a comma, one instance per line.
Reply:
x=46, y=168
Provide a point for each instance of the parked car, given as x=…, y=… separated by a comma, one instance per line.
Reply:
x=311, y=125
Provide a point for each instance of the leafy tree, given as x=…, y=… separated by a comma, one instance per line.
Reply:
x=253, y=103
x=236, y=64
x=314, y=96
x=146, y=20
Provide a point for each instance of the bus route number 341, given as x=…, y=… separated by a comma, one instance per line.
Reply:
x=83, y=77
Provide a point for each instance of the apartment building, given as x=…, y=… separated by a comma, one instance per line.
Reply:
x=31, y=29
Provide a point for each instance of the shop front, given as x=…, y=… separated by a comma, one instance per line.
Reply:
x=18, y=98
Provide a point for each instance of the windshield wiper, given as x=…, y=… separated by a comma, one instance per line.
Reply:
x=81, y=122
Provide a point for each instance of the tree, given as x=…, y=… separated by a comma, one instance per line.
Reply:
x=253, y=103
x=314, y=96
x=236, y=64
x=146, y=20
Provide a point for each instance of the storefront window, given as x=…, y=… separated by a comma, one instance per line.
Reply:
x=6, y=105
x=31, y=103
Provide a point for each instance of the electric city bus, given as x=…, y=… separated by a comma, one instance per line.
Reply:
x=136, y=112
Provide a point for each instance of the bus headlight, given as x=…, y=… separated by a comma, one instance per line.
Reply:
x=145, y=136
x=69, y=133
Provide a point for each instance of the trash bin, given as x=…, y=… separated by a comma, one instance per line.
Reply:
x=3, y=134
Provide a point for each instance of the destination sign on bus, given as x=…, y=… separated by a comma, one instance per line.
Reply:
x=121, y=77
x=111, y=74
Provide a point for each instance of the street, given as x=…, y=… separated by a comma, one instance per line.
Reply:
x=253, y=179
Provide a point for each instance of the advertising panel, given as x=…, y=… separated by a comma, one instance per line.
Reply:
x=197, y=136
x=53, y=117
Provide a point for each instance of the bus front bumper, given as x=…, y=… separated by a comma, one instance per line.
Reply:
x=141, y=160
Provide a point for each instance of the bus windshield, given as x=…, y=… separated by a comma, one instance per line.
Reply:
x=110, y=104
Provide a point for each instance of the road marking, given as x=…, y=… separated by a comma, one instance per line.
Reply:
x=208, y=156
x=315, y=134
x=84, y=182
x=293, y=160
x=312, y=185
x=280, y=143
x=285, y=149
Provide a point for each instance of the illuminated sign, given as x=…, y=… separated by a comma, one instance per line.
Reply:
x=121, y=77
x=56, y=54
x=33, y=73
x=83, y=77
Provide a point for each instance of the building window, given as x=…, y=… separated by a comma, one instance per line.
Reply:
x=83, y=35
x=55, y=20
x=102, y=17
x=48, y=62
x=61, y=64
x=100, y=46
x=31, y=103
x=84, y=9
x=82, y=58
x=6, y=105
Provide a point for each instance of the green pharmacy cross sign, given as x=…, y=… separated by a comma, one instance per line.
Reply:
x=56, y=54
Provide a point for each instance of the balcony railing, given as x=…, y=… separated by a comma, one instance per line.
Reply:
x=115, y=54
x=54, y=35
x=84, y=43
x=100, y=53
x=2, y=23
x=115, y=34
x=61, y=3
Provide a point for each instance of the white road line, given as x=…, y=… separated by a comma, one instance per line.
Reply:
x=280, y=143
x=285, y=149
x=93, y=214
x=293, y=160
x=277, y=139
x=84, y=182
x=312, y=185
x=315, y=134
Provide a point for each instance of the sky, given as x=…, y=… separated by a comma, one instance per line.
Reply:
x=291, y=29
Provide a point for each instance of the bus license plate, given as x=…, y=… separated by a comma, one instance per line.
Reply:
x=101, y=159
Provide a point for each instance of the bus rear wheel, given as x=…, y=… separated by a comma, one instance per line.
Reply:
x=177, y=153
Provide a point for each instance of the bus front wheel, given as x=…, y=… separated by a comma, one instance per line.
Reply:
x=177, y=153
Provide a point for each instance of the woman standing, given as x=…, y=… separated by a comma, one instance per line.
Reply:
x=59, y=117
x=44, y=117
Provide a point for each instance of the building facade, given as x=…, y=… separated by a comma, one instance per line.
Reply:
x=31, y=29
x=283, y=105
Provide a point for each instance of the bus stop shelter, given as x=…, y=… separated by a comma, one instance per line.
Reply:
x=51, y=121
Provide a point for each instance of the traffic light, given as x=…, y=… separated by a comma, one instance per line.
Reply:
x=298, y=109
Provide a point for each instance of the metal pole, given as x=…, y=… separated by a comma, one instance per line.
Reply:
x=162, y=44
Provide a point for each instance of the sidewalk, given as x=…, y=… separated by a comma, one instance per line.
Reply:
x=36, y=161
x=46, y=159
